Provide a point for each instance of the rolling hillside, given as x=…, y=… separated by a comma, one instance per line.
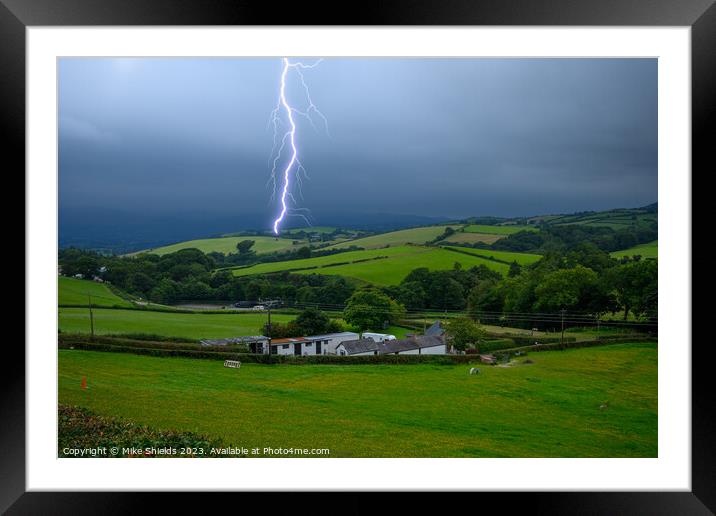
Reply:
x=415, y=236
x=226, y=245
x=650, y=250
x=73, y=291
x=616, y=219
x=387, y=266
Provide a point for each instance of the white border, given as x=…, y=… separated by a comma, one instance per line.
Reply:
x=671, y=471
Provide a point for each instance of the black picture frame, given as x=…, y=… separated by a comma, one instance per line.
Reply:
x=17, y=15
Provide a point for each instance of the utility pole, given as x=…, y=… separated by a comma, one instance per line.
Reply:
x=89, y=304
x=561, y=339
x=268, y=327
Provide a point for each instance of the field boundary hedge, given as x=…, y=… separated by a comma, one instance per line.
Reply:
x=187, y=350
x=604, y=341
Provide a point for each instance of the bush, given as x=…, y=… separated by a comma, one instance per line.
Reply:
x=81, y=428
x=495, y=345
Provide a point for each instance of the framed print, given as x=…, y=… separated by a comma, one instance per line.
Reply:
x=269, y=252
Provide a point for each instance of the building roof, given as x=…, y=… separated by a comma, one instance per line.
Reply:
x=386, y=347
x=419, y=342
x=435, y=329
x=233, y=340
x=353, y=347
x=290, y=340
x=332, y=335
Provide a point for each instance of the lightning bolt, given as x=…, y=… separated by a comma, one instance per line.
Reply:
x=289, y=137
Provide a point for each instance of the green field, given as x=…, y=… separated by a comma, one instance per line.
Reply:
x=463, y=237
x=73, y=291
x=505, y=256
x=497, y=230
x=614, y=219
x=226, y=245
x=385, y=271
x=396, y=238
x=188, y=326
x=590, y=402
x=649, y=250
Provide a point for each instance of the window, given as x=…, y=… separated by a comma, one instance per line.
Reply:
x=309, y=344
x=285, y=346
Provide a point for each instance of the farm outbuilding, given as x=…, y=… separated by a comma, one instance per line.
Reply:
x=313, y=345
x=420, y=345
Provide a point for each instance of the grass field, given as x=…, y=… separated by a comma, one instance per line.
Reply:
x=226, y=245
x=497, y=230
x=386, y=271
x=71, y=291
x=590, y=402
x=649, y=250
x=463, y=237
x=188, y=326
x=397, y=238
x=505, y=256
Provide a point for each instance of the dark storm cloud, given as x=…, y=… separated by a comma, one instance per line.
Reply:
x=437, y=137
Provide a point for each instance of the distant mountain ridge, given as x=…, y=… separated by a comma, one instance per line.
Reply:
x=114, y=231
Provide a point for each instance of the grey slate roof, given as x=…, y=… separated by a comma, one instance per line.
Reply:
x=419, y=342
x=353, y=347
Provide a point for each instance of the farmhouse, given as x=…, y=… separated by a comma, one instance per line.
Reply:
x=418, y=345
x=313, y=345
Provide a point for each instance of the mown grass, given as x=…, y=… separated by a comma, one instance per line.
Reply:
x=649, y=250
x=596, y=402
x=362, y=265
x=167, y=324
x=72, y=291
x=227, y=245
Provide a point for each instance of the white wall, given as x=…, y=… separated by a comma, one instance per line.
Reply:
x=433, y=350
x=330, y=348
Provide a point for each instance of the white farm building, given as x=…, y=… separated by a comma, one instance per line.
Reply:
x=313, y=345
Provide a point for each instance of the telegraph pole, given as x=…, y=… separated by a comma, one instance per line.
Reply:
x=89, y=304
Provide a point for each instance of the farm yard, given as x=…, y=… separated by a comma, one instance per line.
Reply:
x=596, y=402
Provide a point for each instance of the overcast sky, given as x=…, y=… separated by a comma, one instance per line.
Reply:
x=437, y=137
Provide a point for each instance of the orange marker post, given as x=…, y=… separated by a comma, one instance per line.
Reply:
x=84, y=382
